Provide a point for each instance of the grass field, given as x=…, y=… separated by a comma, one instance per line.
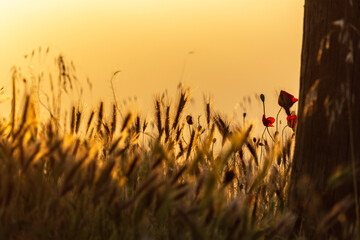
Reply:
x=116, y=175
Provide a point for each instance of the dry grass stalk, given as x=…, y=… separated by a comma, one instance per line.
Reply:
x=78, y=121
x=100, y=117
x=127, y=122
x=72, y=120
x=222, y=126
x=113, y=123
x=167, y=123
x=191, y=144
x=158, y=116
x=90, y=120
x=13, y=101
x=181, y=106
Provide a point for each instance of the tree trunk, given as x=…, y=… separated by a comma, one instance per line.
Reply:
x=328, y=133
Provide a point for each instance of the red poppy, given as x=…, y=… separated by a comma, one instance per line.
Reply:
x=268, y=121
x=291, y=121
x=286, y=100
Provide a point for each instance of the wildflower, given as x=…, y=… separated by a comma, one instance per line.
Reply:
x=286, y=100
x=291, y=121
x=268, y=121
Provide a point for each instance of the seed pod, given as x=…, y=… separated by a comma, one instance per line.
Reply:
x=189, y=120
x=262, y=97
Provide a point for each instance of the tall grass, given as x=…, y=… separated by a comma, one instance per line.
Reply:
x=99, y=181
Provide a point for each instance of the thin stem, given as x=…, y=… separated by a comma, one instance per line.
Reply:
x=183, y=139
x=262, y=136
x=277, y=117
x=261, y=146
x=282, y=134
x=212, y=150
x=270, y=134
x=113, y=92
x=184, y=65
x=264, y=108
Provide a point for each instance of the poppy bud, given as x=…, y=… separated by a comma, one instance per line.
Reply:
x=189, y=120
x=262, y=97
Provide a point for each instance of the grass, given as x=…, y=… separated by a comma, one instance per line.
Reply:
x=93, y=178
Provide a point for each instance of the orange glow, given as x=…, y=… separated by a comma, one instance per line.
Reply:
x=242, y=47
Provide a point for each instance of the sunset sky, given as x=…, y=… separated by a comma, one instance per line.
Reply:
x=241, y=47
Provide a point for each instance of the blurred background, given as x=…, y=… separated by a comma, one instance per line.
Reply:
x=229, y=50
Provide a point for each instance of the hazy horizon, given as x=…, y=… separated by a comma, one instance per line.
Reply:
x=241, y=48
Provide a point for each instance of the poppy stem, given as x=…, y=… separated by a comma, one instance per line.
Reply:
x=282, y=134
x=270, y=134
x=184, y=139
x=262, y=140
x=262, y=136
x=277, y=117
x=264, y=107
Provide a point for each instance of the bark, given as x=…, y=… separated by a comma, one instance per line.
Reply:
x=328, y=133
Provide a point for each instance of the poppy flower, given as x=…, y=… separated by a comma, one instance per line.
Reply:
x=291, y=121
x=268, y=121
x=286, y=100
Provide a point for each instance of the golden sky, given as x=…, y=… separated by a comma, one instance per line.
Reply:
x=241, y=47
